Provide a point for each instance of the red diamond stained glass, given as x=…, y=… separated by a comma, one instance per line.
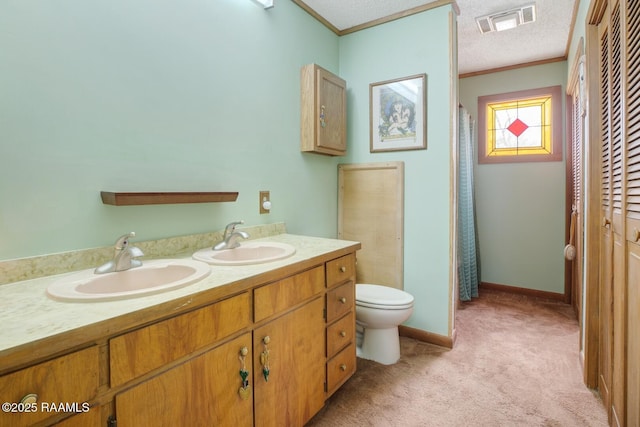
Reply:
x=517, y=127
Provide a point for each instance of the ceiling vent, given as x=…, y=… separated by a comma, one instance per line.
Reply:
x=508, y=19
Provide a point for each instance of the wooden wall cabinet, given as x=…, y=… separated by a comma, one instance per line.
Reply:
x=323, y=118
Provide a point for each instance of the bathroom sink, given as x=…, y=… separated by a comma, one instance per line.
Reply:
x=152, y=277
x=247, y=253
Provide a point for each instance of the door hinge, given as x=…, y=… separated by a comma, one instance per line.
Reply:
x=111, y=421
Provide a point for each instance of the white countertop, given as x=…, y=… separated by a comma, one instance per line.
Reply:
x=27, y=314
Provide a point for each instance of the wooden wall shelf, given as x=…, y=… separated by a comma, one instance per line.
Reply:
x=130, y=199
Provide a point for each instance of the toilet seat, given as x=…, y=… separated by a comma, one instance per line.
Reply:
x=382, y=297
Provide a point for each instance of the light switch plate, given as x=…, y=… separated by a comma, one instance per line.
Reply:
x=264, y=197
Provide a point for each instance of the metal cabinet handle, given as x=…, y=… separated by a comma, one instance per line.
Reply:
x=343, y=334
x=343, y=367
x=343, y=300
x=245, y=389
x=264, y=358
x=343, y=269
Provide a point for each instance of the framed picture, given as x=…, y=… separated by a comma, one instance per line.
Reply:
x=398, y=114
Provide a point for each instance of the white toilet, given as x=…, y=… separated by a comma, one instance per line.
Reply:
x=379, y=311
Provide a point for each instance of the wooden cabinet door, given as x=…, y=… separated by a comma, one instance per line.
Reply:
x=203, y=391
x=294, y=389
x=73, y=377
x=331, y=104
x=323, y=115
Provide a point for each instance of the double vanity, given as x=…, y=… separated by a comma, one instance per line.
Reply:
x=262, y=337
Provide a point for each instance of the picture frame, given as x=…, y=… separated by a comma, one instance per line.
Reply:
x=398, y=114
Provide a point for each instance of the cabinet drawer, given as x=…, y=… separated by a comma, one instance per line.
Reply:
x=341, y=269
x=151, y=347
x=283, y=294
x=340, y=300
x=340, y=368
x=340, y=334
x=66, y=379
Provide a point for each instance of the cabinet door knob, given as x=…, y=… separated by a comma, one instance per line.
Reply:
x=29, y=398
x=266, y=339
x=343, y=333
x=343, y=300
x=244, y=351
x=636, y=235
x=343, y=367
x=606, y=222
x=343, y=269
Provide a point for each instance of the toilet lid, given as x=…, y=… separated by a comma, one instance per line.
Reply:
x=384, y=296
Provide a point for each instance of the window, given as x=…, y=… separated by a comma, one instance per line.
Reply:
x=524, y=126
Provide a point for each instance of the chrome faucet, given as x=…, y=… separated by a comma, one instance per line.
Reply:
x=123, y=258
x=231, y=237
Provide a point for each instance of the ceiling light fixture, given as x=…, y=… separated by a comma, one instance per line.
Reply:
x=268, y=4
x=507, y=20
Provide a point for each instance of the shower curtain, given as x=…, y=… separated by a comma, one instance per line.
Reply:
x=468, y=255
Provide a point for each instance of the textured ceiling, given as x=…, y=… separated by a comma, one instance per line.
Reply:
x=542, y=40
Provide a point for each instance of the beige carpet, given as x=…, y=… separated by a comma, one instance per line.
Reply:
x=515, y=363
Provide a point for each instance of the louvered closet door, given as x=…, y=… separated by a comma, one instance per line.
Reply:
x=632, y=195
x=605, y=282
x=616, y=61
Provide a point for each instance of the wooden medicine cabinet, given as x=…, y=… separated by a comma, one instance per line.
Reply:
x=323, y=118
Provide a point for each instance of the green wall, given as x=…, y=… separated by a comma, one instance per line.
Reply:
x=158, y=95
x=413, y=45
x=520, y=206
x=155, y=95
